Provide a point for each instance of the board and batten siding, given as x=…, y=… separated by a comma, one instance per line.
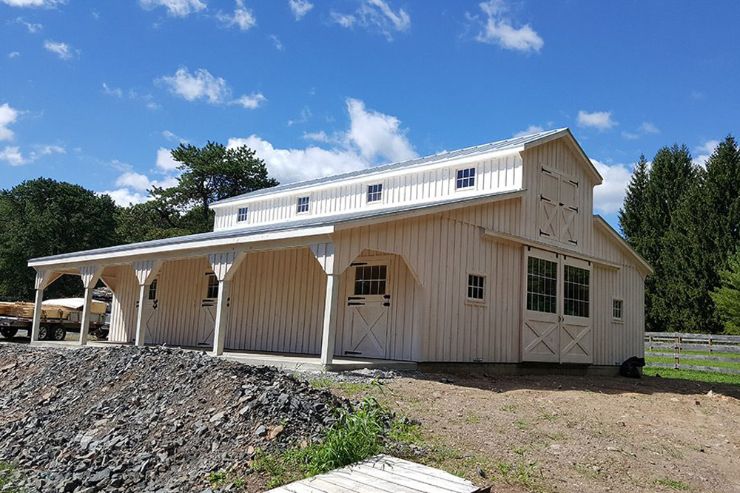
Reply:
x=123, y=306
x=561, y=156
x=412, y=187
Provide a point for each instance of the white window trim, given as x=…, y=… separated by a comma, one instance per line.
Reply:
x=238, y=214
x=476, y=301
x=308, y=209
x=620, y=319
x=382, y=194
x=469, y=187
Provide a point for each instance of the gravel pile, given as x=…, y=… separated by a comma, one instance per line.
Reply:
x=129, y=419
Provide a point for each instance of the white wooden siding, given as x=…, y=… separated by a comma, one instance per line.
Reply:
x=414, y=187
x=123, y=306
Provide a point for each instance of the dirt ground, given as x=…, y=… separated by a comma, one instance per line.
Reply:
x=564, y=433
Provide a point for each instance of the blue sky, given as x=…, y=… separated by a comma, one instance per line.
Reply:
x=95, y=92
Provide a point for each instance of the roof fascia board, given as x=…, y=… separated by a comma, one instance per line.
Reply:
x=187, y=249
x=579, y=150
x=443, y=163
x=605, y=226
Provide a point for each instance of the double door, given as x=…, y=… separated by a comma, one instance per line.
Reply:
x=557, y=326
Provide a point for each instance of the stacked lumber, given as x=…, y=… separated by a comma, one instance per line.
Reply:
x=22, y=309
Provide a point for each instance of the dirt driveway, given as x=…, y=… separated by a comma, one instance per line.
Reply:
x=584, y=434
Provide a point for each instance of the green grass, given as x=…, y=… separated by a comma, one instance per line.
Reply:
x=348, y=388
x=688, y=362
x=7, y=471
x=699, y=376
x=668, y=353
x=673, y=484
x=355, y=436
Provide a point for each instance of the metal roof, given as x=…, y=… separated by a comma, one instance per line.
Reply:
x=309, y=222
x=500, y=145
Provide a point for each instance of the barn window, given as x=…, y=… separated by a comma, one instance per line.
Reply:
x=242, y=214
x=465, y=178
x=476, y=287
x=374, y=192
x=302, y=205
x=212, y=292
x=152, y=294
x=617, y=307
x=576, y=296
x=542, y=285
x=370, y=279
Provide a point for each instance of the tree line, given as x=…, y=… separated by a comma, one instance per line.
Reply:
x=45, y=217
x=684, y=219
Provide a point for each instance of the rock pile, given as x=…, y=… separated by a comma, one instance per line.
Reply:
x=129, y=419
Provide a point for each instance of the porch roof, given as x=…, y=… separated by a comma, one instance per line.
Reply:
x=305, y=228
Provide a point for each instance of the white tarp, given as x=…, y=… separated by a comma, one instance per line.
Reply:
x=76, y=304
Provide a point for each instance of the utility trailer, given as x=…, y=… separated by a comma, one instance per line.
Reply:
x=57, y=317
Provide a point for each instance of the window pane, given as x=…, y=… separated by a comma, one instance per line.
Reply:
x=370, y=280
x=576, y=290
x=541, y=285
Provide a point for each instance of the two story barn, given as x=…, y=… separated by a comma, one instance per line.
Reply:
x=485, y=254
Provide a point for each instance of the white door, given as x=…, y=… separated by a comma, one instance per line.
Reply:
x=207, y=318
x=557, y=324
x=368, y=307
x=149, y=314
x=541, y=325
x=576, y=327
x=559, y=207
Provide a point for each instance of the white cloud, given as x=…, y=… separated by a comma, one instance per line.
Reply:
x=165, y=162
x=34, y=3
x=12, y=155
x=242, y=17
x=202, y=85
x=377, y=134
x=125, y=197
x=175, y=8
x=609, y=196
x=32, y=27
x=198, y=85
x=14, y=54
x=250, y=101
x=112, y=91
x=499, y=29
x=62, y=50
x=649, y=128
x=8, y=116
x=300, y=8
x=601, y=120
x=704, y=151
x=532, y=129
x=276, y=42
x=171, y=136
x=133, y=180
x=375, y=15
x=371, y=138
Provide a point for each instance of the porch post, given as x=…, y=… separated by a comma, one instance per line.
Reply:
x=224, y=300
x=224, y=267
x=43, y=279
x=37, y=315
x=329, y=329
x=90, y=275
x=145, y=271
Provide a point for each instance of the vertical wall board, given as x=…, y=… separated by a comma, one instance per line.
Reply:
x=123, y=305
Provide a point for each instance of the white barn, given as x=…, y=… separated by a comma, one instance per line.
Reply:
x=489, y=254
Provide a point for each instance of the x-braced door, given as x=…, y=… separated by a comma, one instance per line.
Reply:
x=368, y=308
x=559, y=207
x=557, y=324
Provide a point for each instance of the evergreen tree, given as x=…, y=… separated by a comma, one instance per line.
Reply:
x=671, y=176
x=703, y=234
x=632, y=213
x=727, y=296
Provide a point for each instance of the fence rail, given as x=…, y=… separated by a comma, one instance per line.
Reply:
x=721, y=349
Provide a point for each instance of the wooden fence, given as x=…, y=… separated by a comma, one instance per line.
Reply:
x=721, y=349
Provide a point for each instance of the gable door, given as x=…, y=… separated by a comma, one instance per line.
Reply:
x=557, y=325
x=559, y=207
x=368, y=307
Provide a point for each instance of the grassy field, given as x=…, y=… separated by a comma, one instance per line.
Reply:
x=689, y=359
x=686, y=360
x=699, y=376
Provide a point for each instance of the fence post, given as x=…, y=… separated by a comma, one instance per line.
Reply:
x=710, y=343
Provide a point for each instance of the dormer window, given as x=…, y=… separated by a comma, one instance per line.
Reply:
x=465, y=178
x=302, y=205
x=374, y=193
x=241, y=216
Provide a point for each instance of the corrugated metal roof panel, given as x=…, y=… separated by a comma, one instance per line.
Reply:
x=500, y=145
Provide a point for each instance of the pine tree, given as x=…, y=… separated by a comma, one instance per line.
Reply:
x=632, y=213
x=703, y=234
x=727, y=296
x=671, y=176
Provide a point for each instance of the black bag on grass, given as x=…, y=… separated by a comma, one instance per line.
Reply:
x=631, y=367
